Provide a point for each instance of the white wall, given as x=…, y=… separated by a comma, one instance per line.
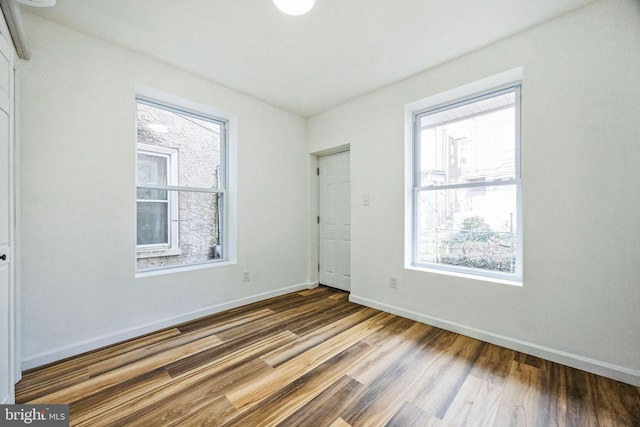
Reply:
x=580, y=302
x=77, y=179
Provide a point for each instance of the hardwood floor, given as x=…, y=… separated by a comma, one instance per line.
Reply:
x=312, y=358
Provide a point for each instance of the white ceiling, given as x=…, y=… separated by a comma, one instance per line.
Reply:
x=304, y=64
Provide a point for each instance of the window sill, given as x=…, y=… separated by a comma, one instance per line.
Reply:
x=158, y=253
x=514, y=282
x=182, y=268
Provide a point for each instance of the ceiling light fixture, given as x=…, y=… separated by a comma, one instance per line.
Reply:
x=294, y=7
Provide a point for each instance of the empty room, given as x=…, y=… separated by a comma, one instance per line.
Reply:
x=320, y=213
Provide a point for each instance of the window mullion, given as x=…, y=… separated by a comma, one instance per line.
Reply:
x=496, y=183
x=177, y=188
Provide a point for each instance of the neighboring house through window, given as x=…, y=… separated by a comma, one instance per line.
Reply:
x=157, y=228
x=181, y=187
x=467, y=185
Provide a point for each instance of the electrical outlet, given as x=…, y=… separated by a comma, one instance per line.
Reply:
x=246, y=276
x=393, y=282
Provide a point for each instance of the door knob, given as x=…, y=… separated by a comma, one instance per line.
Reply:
x=3, y=257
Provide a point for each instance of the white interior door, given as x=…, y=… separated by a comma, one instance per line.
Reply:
x=335, y=221
x=7, y=304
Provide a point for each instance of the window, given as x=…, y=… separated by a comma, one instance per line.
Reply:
x=466, y=186
x=180, y=187
x=157, y=209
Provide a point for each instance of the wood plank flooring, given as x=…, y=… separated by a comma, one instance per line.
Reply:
x=312, y=358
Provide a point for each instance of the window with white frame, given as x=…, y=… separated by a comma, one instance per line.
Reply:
x=157, y=230
x=467, y=185
x=180, y=187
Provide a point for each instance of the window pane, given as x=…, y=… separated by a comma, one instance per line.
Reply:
x=197, y=140
x=148, y=194
x=152, y=169
x=475, y=142
x=152, y=223
x=197, y=229
x=469, y=227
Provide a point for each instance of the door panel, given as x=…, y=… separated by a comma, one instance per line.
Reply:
x=346, y=260
x=330, y=256
x=4, y=177
x=335, y=221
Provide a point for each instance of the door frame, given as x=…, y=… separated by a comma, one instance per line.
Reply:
x=14, y=363
x=315, y=207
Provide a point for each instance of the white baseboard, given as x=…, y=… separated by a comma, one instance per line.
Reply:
x=123, y=335
x=597, y=367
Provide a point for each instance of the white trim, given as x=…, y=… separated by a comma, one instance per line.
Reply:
x=13, y=29
x=160, y=271
x=38, y=3
x=497, y=80
x=333, y=150
x=155, y=253
x=185, y=105
x=594, y=366
x=15, y=175
x=510, y=79
x=12, y=333
x=471, y=276
x=80, y=347
x=449, y=96
x=229, y=174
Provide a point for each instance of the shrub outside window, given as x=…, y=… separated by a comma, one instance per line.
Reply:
x=467, y=186
x=180, y=188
